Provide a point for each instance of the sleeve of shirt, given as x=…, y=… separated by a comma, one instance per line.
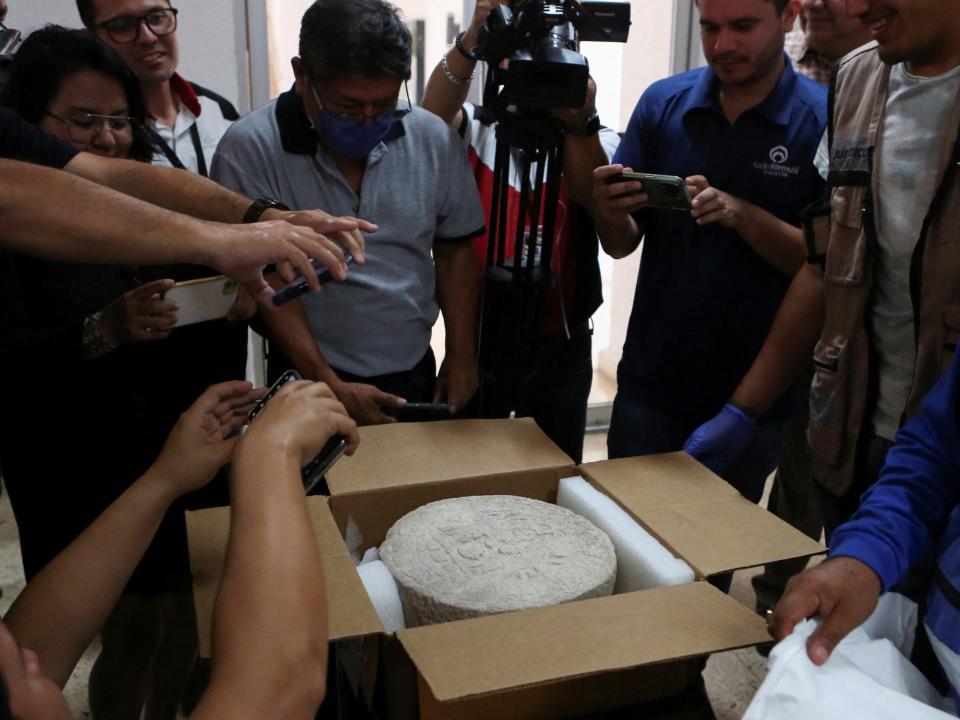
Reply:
x=610, y=142
x=239, y=165
x=919, y=487
x=20, y=140
x=460, y=216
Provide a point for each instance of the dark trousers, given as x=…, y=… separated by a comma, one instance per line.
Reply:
x=415, y=385
x=871, y=455
x=555, y=396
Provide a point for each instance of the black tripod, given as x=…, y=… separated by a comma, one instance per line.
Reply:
x=516, y=287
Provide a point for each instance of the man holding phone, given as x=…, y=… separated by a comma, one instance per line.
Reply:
x=712, y=276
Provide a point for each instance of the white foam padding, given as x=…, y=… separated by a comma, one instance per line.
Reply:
x=642, y=562
x=370, y=555
x=383, y=592
x=353, y=540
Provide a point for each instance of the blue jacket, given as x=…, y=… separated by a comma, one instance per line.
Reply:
x=913, y=511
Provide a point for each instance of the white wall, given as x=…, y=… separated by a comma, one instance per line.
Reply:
x=647, y=57
x=212, y=37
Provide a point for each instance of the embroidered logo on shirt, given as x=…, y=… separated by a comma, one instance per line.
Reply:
x=779, y=155
x=777, y=167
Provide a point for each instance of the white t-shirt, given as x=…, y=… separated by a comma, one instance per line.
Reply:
x=915, y=119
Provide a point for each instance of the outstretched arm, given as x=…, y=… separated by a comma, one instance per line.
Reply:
x=269, y=619
x=63, y=607
x=196, y=196
x=53, y=214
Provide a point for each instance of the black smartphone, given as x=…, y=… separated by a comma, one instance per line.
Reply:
x=664, y=191
x=299, y=286
x=311, y=473
x=421, y=411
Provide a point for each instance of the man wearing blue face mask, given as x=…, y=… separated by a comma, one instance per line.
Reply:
x=342, y=139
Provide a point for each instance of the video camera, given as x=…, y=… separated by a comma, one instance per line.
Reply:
x=541, y=41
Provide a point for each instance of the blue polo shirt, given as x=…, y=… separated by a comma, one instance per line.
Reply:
x=705, y=300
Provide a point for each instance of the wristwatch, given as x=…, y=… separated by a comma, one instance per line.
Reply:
x=260, y=206
x=588, y=128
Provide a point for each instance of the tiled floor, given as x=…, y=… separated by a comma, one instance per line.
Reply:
x=732, y=677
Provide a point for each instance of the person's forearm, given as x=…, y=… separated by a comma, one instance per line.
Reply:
x=169, y=188
x=458, y=292
x=288, y=328
x=789, y=344
x=581, y=155
x=777, y=242
x=52, y=214
x=63, y=608
x=444, y=97
x=269, y=619
x=618, y=238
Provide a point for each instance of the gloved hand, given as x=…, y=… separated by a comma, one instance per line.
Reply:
x=720, y=440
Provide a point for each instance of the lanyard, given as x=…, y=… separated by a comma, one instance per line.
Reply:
x=168, y=152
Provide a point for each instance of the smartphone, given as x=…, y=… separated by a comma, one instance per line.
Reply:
x=299, y=286
x=664, y=191
x=311, y=473
x=204, y=299
x=421, y=411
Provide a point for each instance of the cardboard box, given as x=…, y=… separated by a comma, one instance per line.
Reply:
x=559, y=661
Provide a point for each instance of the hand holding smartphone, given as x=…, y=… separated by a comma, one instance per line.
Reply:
x=299, y=286
x=664, y=191
x=311, y=473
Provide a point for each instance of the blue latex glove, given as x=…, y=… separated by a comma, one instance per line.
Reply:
x=720, y=440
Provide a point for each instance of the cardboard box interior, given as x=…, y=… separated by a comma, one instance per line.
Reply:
x=557, y=661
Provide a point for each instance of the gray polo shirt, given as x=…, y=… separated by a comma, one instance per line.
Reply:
x=418, y=187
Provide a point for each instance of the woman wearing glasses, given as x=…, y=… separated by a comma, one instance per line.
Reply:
x=99, y=377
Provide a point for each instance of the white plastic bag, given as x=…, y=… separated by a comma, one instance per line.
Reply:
x=867, y=677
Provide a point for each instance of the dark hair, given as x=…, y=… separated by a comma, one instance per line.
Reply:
x=49, y=56
x=342, y=38
x=88, y=13
x=778, y=5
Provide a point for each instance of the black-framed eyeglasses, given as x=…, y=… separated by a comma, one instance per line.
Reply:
x=394, y=113
x=9, y=40
x=84, y=127
x=126, y=28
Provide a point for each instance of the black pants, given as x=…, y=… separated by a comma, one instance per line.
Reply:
x=556, y=395
x=871, y=455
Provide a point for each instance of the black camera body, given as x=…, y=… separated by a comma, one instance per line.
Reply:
x=541, y=41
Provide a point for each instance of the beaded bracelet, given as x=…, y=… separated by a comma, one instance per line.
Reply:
x=468, y=54
x=453, y=78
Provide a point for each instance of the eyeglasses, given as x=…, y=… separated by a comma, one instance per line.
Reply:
x=9, y=40
x=84, y=127
x=126, y=28
x=394, y=113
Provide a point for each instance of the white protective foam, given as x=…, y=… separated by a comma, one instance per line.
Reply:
x=642, y=562
x=383, y=592
x=370, y=555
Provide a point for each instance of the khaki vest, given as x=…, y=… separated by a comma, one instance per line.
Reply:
x=843, y=238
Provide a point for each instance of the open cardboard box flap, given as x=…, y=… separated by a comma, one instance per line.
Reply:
x=696, y=514
x=469, y=658
x=429, y=452
x=351, y=614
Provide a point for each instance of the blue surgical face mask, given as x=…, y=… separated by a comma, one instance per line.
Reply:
x=350, y=136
